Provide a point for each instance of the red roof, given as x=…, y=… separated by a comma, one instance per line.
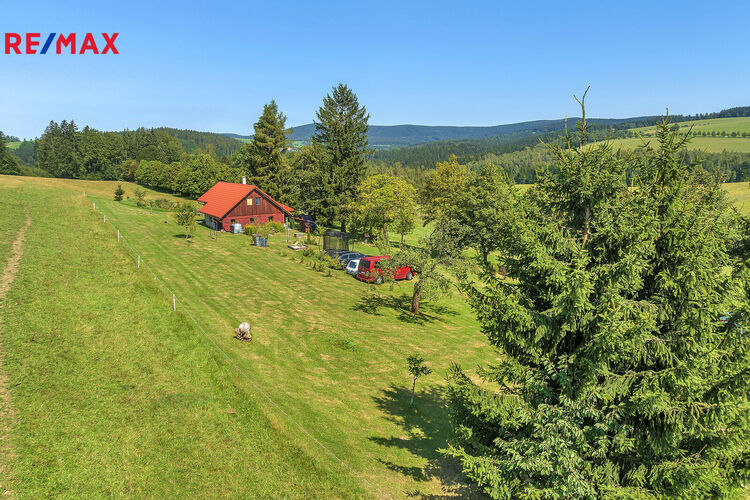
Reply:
x=224, y=196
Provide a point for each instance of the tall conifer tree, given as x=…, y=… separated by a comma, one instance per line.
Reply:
x=341, y=129
x=268, y=147
x=8, y=164
x=623, y=333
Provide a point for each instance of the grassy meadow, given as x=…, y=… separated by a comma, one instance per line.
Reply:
x=727, y=125
x=119, y=396
x=707, y=144
x=116, y=395
x=715, y=144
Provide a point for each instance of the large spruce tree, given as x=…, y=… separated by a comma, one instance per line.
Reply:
x=341, y=130
x=622, y=332
x=262, y=160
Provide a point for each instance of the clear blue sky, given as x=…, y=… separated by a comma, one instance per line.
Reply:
x=212, y=65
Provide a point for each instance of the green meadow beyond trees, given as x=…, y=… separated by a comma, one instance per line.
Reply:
x=622, y=327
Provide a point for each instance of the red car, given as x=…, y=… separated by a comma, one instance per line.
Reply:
x=371, y=270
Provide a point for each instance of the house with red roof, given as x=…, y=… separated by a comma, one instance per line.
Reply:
x=227, y=203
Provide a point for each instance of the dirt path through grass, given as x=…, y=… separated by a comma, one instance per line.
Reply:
x=6, y=408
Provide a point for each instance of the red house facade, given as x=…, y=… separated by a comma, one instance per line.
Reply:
x=228, y=202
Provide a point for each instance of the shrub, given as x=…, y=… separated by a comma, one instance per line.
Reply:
x=164, y=204
x=119, y=192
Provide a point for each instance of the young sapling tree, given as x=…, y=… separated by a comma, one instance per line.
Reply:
x=185, y=217
x=417, y=369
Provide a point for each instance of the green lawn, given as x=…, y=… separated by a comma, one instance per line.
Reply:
x=13, y=144
x=134, y=399
x=115, y=394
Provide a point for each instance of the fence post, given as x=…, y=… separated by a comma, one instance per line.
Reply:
x=118, y=235
x=94, y=205
x=105, y=218
x=139, y=262
x=174, y=303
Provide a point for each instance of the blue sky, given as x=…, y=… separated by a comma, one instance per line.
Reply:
x=212, y=65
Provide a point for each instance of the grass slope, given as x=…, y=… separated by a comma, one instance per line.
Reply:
x=740, y=124
x=118, y=396
x=708, y=144
x=715, y=144
x=330, y=350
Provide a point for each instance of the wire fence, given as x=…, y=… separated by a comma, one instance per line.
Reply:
x=141, y=263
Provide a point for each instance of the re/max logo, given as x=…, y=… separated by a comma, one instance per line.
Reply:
x=14, y=43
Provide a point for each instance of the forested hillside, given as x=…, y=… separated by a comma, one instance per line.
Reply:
x=192, y=140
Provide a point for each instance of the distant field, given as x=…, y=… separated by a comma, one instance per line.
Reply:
x=708, y=144
x=713, y=125
x=739, y=193
x=13, y=145
x=715, y=144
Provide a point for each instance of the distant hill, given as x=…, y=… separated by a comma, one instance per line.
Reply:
x=397, y=136
x=393, y=136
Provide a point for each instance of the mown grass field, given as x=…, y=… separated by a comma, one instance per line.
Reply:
x=115, y=394
x=13, y=144
x=707, y=144
x=740, y=124
x=119, y=396
x=715, y=144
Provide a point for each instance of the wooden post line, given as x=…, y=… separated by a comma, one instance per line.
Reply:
x=174, y=303
x=105, y=218
x=118, y=235
x=139, y=262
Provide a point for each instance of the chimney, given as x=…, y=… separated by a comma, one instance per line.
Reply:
x=244, y=179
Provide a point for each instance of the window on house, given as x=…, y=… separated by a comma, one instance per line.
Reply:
x=270, y=218
x=252, y=220
x=249, y=202
x=257, y=200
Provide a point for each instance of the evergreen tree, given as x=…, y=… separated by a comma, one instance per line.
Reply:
x=263, y=159
x=8, y=164
x=622, y=327
x=312, y=188
x=341, y=130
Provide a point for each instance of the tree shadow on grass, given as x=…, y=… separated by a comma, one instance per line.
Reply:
x=428, y=312
x=426, y=427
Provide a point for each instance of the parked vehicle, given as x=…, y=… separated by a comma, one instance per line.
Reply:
x=334, y=254
x=352, y=267
x=373, y=270
x=344, y=258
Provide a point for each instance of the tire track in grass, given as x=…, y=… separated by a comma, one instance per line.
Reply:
x=6, y=408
